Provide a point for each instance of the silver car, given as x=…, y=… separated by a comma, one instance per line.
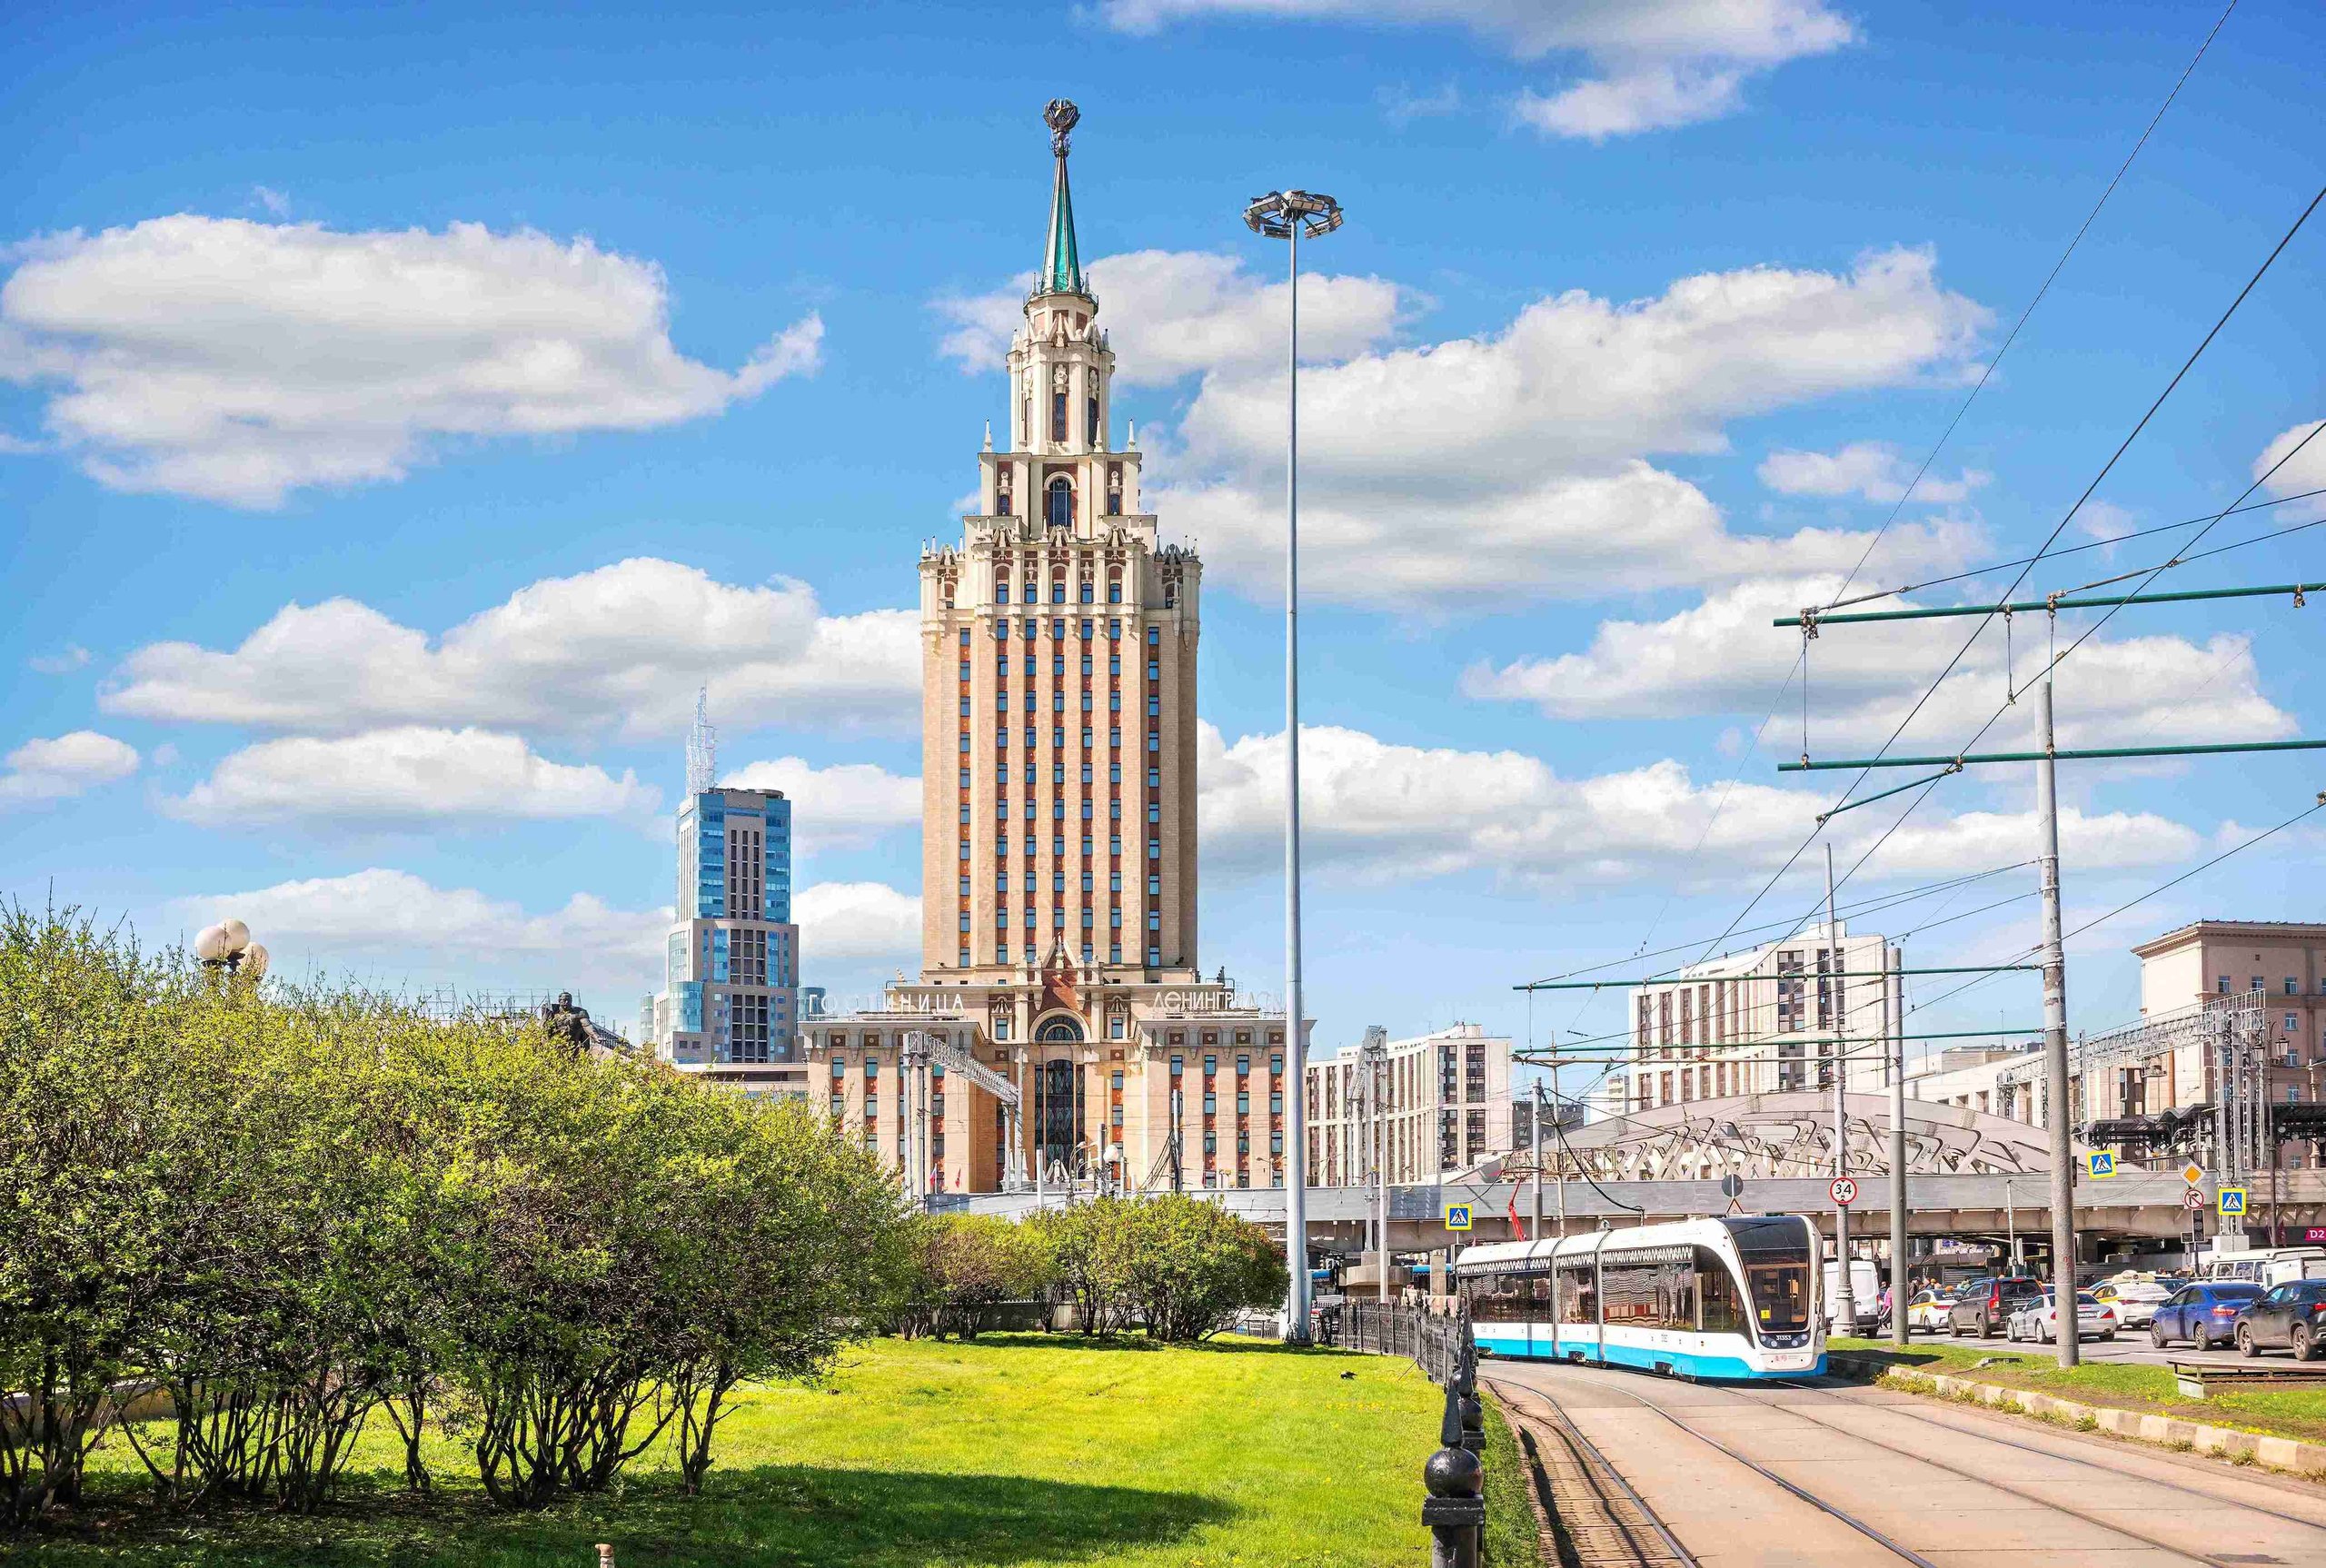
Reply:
x=2036, y=1321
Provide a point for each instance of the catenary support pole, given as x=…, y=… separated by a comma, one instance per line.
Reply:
x=1296, y=1124
x=1899, y=1327
x=1844, y=1306
x=2059, y=1114
x=1534, y=1122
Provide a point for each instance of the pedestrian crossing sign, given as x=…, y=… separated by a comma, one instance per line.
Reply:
x=1457, y=1217
x=2230, y=1200
x=2100, y=1163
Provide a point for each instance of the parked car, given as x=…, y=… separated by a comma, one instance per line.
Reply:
x=2292, y=1316
x=1927, y=1310
x=1985, y=1305
x=2037, y=1320
x=2135, y=1301
x=2203, y=1313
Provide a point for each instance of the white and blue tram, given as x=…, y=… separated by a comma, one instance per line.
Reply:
x=1732, y=1298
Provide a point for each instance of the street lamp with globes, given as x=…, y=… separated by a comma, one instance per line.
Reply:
x=226, y=948
x=1292, y=216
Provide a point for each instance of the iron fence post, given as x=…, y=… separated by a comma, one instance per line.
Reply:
x=1455, y=1509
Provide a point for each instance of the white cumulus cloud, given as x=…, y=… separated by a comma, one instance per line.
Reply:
x=65, y=765
x=382, y=913
x=410, y=773
x=1648, y=64
x=1862, y=687
x=1515, y=465
x=2303, y=470
x=237, y=362
x=848, y=803
x=1869, y=469
x=1171, y=313
x=619, y=648
x=856, y=923
x=1383, y=811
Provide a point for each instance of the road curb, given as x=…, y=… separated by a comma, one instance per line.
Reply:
x=2287, y=1453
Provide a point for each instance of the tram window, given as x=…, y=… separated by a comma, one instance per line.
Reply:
x=1630, y=1292
x=1724, y=1312
x=1498, y=1298
x=1540, y=1292
x=1676, y=1296
x=1780, y=1296
x=1578, y=1296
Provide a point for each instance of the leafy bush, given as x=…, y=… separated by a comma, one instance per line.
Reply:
x=1187, y=1267
x=291, y=1209
x=965, y=1263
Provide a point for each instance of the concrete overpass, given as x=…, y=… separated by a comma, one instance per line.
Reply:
x=2136, y=1204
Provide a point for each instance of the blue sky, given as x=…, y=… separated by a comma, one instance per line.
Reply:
x=552, y=362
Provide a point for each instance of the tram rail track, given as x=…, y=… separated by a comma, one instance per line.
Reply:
x=1928, y=1420
x=1598, y=1520
x=1841, y=1515
x=1613, y=1383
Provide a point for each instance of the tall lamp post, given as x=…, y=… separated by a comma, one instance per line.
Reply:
x=1288, y=215
x=226, y=948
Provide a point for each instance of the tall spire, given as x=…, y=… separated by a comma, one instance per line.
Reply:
x=703, y=745
x=1061, y=264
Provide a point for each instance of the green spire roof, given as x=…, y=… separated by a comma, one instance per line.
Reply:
x=1061, y=263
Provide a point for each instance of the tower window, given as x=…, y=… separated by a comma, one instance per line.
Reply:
x=1090, y=423
x=1057, y=417
x=1061, y=507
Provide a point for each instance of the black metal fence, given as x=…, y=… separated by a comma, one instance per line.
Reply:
x=1434, y=1341
x=1441, y=1346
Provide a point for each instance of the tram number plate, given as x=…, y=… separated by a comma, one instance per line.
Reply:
x=1843, y=1191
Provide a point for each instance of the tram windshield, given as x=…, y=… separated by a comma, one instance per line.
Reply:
x=1775, y=1255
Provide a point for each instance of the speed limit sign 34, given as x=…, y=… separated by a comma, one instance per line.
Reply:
x=1843, y=1191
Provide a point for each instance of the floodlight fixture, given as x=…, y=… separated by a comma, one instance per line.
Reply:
x=1275, y=214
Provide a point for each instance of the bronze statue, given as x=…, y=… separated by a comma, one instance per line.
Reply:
x=568, y=1024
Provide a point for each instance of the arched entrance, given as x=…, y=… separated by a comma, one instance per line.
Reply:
x=1057, y=1093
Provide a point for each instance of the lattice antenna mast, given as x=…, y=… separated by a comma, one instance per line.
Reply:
x=703, y=745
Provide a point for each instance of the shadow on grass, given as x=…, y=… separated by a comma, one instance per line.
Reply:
x=771, y=1516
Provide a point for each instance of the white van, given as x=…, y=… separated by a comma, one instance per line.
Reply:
x=2265, y=1266
x=1865, y=1294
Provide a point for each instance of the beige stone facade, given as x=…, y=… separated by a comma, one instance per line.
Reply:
x=1443, y=1104
x=1755, y=1022
x=2283, y=961
x=1059, y=857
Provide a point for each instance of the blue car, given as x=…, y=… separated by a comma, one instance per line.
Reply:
x=2204, y=1313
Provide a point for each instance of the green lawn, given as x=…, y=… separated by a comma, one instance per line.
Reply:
x=2292, y=1413
x=1015, y=1450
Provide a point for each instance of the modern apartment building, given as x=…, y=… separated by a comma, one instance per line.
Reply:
x=1059, y=866
x=1435, y=1103
x=1767, y=1019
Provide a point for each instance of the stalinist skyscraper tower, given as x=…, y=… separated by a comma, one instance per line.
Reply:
x=1058, y=853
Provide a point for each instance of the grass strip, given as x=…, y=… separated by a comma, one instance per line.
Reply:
x=1011, y=1451
x=2299, y=1413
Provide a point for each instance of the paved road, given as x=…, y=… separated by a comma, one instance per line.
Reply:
x=1831, y=1475
x=2132, y=1346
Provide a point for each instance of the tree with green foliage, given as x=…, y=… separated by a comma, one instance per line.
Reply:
x=85, y=1168
x=1187, y=1267
x=291, y=1207
x=964, y=1264
x=1085, y=1260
